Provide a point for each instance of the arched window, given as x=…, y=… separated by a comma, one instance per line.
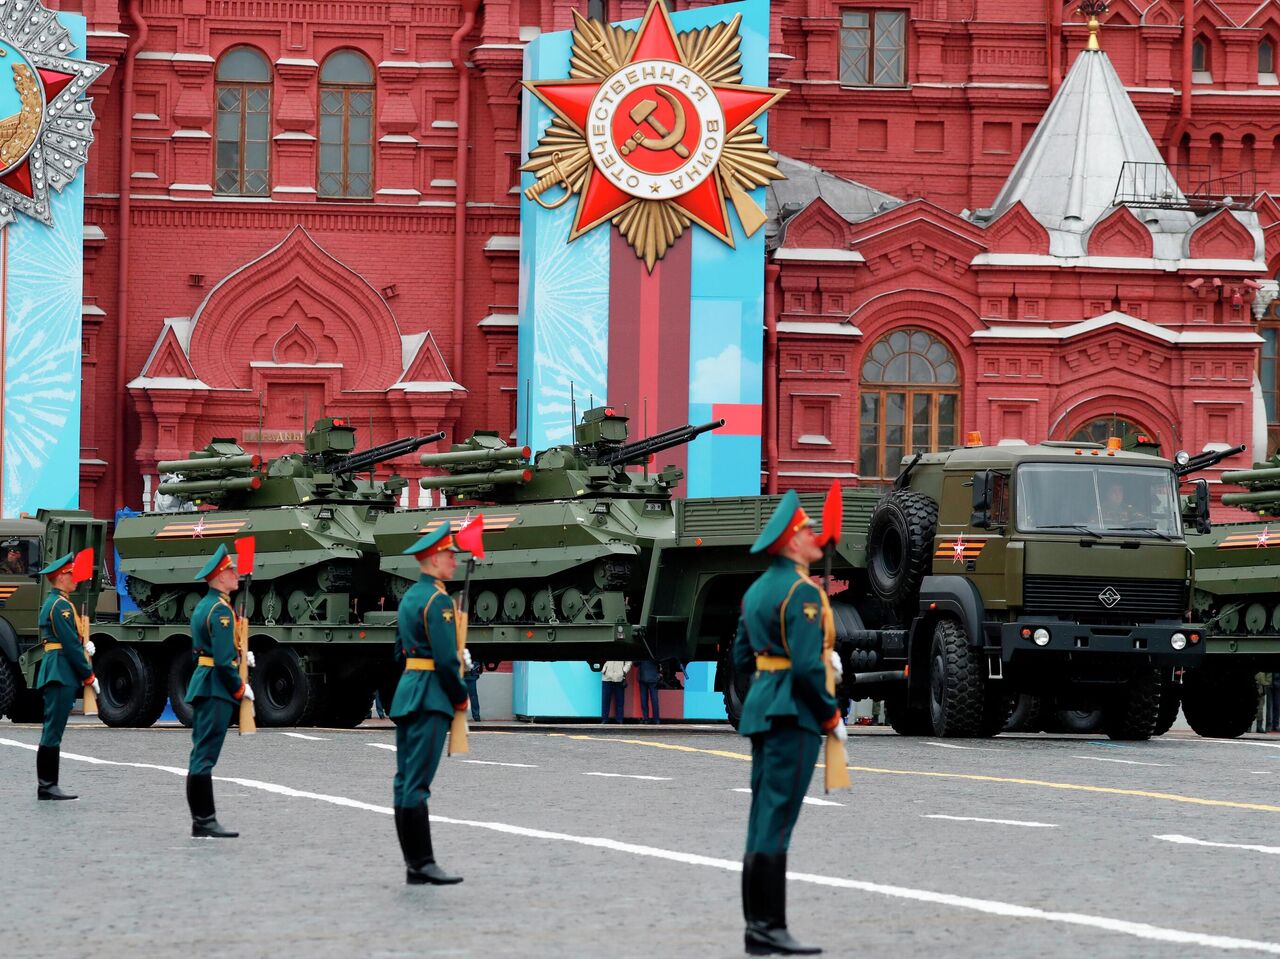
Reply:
x=1102, y=428
x=346, y=127
x=243, y=154
x=1200, y=64
x=1267, y=60
x=909, y=401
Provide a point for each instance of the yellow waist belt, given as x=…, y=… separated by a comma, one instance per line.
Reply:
x=770, y=664
x=50, y=647
x=208, y=661
x=417, y=662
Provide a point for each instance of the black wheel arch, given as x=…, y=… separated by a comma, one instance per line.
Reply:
x=8, y=641
x=957, y=596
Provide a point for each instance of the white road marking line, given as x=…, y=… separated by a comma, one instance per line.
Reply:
x=1127, y=762
x=486, y=762
x=984, y=749
x=1140, y=930
x=630, y=776
x=319, y=739
x=808, y=800
x=1230, y=742
x=998, y=822
x=390, y=746
x=1188, y=841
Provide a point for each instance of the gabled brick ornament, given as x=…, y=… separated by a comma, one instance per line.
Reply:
x=45, y=125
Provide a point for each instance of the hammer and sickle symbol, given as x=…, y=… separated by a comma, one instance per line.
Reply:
x=642, y=115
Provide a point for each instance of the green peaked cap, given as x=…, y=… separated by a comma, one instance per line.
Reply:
x=211, y=567
x=778, y=522
x=57, y=564
x=431, y=539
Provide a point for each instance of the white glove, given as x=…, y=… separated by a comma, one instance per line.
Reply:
x=97, y=686
x=89, y=648
x=248, y=692
x=841, y=731
x=836, y=666
x=250, y=659
x=466, y=658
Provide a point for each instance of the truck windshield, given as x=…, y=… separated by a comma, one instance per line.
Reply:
x=1102, y=500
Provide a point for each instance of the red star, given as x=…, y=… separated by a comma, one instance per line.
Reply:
x=600, y=199
x=197, y=531
x=1264, y=537
x=957, y=549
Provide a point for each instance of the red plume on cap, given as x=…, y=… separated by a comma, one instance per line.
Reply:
x=82, y=565
x=244, y=556
x=470, y=538
x=832, y=515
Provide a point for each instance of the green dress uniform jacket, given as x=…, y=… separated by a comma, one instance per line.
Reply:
x=62, y=671
x=786, y=710
x=425, y=700
x=214, y=690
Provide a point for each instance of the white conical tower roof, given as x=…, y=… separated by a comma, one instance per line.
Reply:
x=1068, y=173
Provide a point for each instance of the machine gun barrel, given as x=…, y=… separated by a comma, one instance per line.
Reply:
x=203, y=463
x=633, y=452
x=191, y=487
x=475, y=480
x=359, y=462
x=1209, y=458
x=472, y=457
x=1260, y=498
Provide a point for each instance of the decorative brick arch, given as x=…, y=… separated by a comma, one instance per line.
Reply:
x=817, y=226
x=1119, y=233
x=296, y=304
x=1221, y=237
x=1074, y=410
x=1017, y=231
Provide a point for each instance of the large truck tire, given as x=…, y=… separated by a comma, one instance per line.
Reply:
x=1220, y=702
x=1027, y=715
x=900, y=545
x=177, y=680
x=905, y=719
x=1074, y=721
x=348, y=698
x=133, y=692
x=1170, y=703
x=1136, y=711
x=736, y=685
x=996, y=710
x=285, y=693
x=10, y=684
x=957, y=686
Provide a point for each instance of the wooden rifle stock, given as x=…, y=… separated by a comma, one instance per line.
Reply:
x=458, y=727
x=90, y=697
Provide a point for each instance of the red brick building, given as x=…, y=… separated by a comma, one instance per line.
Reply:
x=306, y=207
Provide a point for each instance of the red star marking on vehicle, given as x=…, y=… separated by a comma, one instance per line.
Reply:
x=957, y=549
x=198, y=529
x=601, y=200
x=1264, y=537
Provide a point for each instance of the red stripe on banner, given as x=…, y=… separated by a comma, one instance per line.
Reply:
x=623, y=384
x=740, y=419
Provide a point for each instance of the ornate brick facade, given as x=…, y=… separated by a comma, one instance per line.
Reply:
x=352, y=304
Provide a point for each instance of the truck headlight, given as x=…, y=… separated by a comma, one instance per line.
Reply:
x=1041, y=637
x=1178, y=641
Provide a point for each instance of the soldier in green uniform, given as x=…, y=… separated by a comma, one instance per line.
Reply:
x=64, y=669
x=12, y=563
x=786, y=713
x=215, y=689
x=430, y=692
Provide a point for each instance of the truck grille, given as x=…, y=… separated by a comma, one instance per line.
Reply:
x=1104, y=597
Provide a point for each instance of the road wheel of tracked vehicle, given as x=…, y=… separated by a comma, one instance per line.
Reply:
x=900, y=545
x=1170, y=703
x=133, y=691
x=1219, y=702
x=1027, y=715
x=905, y=719
x=285, y=693
x=177, y=680
x=1136, y=711
x=10, y=683
x=957, y=686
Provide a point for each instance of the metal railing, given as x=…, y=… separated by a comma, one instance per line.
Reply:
x=1183, y=187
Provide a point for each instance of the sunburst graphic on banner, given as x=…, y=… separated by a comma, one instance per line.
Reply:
x=45, y=126
x=653, y=132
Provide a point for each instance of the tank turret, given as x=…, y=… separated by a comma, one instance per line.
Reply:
x=311, y=513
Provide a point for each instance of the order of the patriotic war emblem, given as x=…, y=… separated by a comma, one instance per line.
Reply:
x=653, y=131
x=45, y=125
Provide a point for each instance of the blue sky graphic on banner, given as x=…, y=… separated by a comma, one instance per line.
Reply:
x=43, y=274
x=565, y=314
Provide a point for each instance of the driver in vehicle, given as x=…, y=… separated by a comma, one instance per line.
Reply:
x=13, y=563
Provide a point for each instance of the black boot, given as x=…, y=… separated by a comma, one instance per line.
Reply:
x=204, y=820
x=419, y=857
x=767, y=922
x=47, y=774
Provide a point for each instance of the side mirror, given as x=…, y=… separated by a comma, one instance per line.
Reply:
x=983, y=491
x=1201, y=512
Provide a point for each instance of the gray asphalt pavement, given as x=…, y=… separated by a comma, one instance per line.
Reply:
x=577, y=842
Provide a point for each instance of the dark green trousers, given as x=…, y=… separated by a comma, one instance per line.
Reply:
x=782, y=764
x=58, y=700
x=209, y=725
x=419, y=746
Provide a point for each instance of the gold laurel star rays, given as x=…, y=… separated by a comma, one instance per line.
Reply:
x=562, y=158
